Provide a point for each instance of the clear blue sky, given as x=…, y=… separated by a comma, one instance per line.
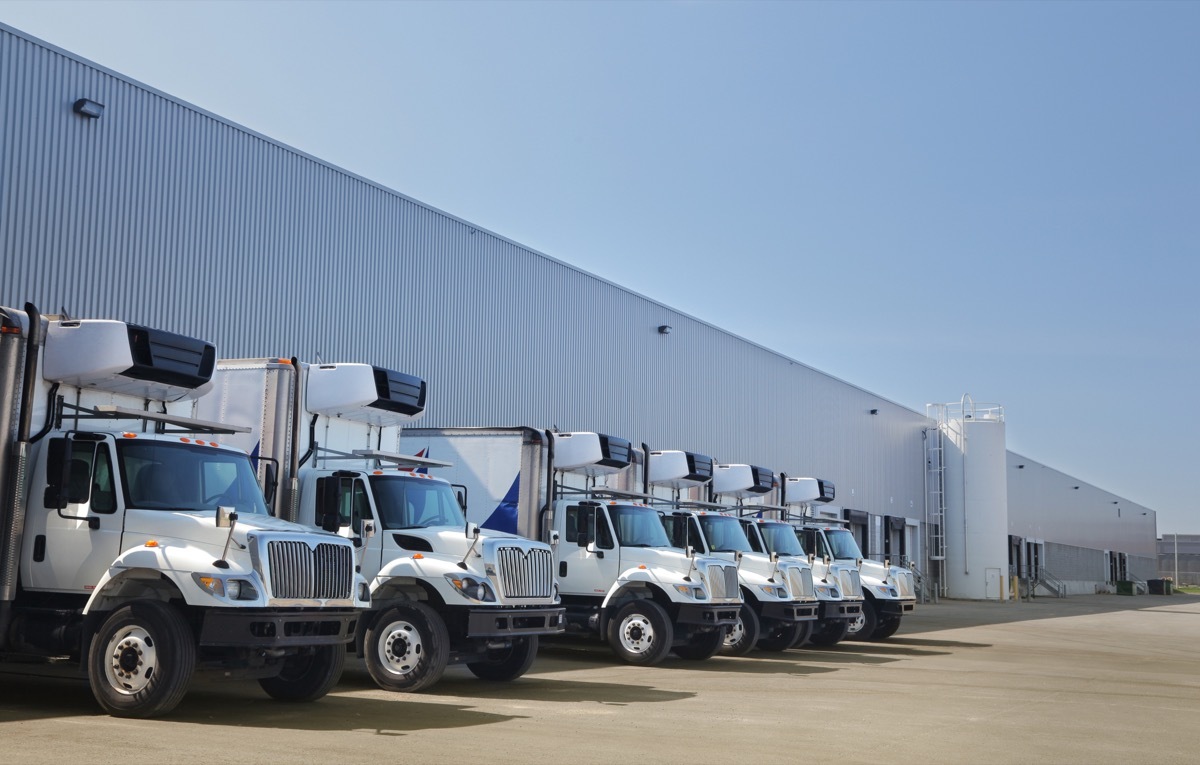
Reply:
x=923, y=199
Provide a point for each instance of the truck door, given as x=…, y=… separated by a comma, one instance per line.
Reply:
x=588, y=562
x=74, y=517
x=346, y=494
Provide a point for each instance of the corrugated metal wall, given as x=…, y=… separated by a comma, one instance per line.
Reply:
x=1044, y=503
x=162, y=214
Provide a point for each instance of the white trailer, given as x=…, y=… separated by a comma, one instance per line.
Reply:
x=778, y=599
x=443, y=590
x=137, y=545
x=585, y=494
x=888, y=591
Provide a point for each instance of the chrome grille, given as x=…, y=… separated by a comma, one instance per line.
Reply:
x=525, y=573
x=851, y=583
x=801, y=582
x=904, y=584
x=300, y=571
x=723, y=581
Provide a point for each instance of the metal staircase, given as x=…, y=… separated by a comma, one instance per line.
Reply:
x=1048, y=582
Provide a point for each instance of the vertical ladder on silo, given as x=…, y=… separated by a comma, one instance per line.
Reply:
x=935, y=511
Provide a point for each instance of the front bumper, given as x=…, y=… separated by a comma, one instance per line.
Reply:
x=269, y=628
x=894, y=607
x=790, y=612
x=709, y=615
x=501, y=622
x=841, y=609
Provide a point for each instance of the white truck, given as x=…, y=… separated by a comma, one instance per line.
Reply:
x=842, y=606
x=443, y=591
x=888, y=591
x=621, y=579
x=134, y=545
x=778, y=598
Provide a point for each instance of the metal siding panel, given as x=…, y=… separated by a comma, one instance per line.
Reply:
x=162, y=214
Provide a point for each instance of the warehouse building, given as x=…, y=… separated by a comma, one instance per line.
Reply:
x=120, y=201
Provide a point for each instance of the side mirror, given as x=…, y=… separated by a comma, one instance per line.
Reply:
x=368, y=529
x=774, y=557
x=887, y=563
x=858, y=563
x=690, y=551
x=812, y=557
x=270, y=481
x=553, y=538
x=225, y=517
x=331, y=522
x=461, y=496
x=825, y=560
x=473, y=530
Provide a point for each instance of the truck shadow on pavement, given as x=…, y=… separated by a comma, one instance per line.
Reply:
x=244, y=705
x=569, y=655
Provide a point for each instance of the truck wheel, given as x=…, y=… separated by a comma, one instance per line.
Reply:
x=641, y=633
x=780, y=636
x=507, y=663
x=802, y=636
x=865, y=624
x=886, y=628
x=407, y=648
x=741, y=637
x=307, y=676
x=702, y=645
x=141, y=660
x=829, y=632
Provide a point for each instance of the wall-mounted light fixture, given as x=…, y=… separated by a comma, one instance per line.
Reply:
x=1020, y=467
x=86, y=107
x=664, y=329
x=874, y=411
x=1076, y=488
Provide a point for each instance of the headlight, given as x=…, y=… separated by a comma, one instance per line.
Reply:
x=691, y=591
x=887, y=592
x=774, y=591
x=241, y=589
x=233, y=589
x=472, y=587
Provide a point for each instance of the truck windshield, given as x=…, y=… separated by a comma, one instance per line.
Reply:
x=158, y=475
x=638, y=526
x=843, y=544
x=724, y=534
x=781, y=538
x=415, y=503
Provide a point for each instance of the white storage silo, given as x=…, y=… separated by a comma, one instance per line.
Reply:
x=976, y=500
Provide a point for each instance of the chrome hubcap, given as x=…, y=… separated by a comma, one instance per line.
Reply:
x=400, y=647
x=132, y=660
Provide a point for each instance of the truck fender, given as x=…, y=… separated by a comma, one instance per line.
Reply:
x=163, y=573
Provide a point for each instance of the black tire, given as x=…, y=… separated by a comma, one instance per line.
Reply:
x=886, y=628
x=741, y=638
x=141, y=660
x=702, y=645
x=507, y=663
x=806, y=630
x=407, y=648
x=862, y=627
x=780, y=636
x=828, y=632
x=640, y=633
x=307, y=676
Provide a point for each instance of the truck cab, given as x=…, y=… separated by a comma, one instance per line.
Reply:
x=887, y=590
x=777, y=597
x=621, y=576
x=145, y=547
x=443, y=591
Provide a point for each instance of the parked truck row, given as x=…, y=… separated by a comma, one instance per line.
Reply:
x=166, y=511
